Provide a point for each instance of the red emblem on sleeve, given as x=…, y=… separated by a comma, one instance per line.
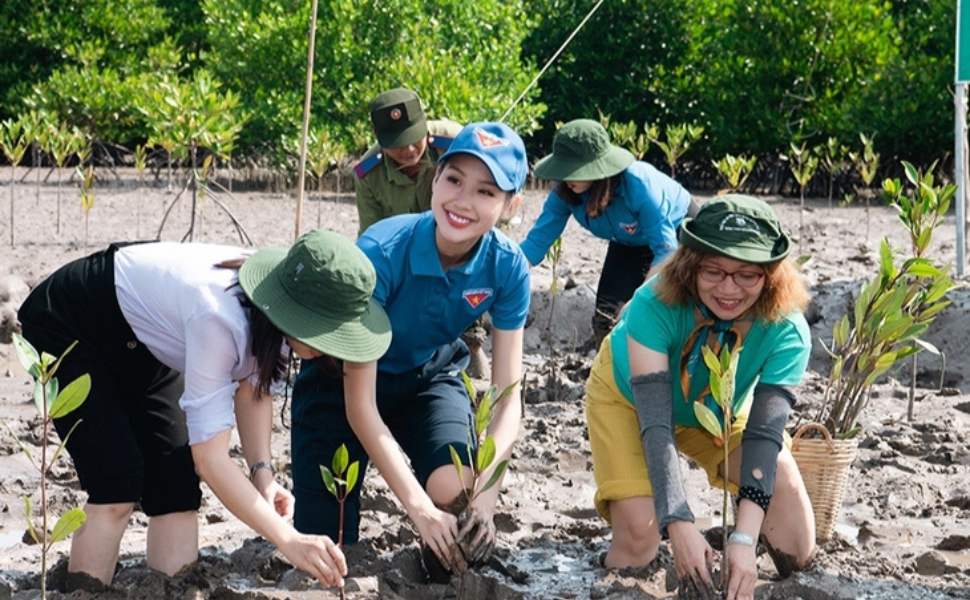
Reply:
x=476, y=297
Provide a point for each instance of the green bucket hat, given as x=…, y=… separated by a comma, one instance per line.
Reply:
x=738, y=227
x=581, y=151
x=398, y=118
x=319, y=293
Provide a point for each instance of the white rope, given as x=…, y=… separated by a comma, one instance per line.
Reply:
x=551, y=60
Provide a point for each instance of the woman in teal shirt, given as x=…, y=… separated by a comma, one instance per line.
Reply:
x=728, y=283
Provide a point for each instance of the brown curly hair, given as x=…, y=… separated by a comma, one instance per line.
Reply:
x=783, y=293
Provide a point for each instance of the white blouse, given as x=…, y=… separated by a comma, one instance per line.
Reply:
x=187, y=313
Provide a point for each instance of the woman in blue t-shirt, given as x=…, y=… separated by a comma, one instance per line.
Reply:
x=727, y=284
x=437, y=272
x=616, y=198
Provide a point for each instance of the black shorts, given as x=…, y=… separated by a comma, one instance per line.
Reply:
x=131, y=444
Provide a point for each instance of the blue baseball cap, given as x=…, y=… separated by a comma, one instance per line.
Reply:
x=500, y=148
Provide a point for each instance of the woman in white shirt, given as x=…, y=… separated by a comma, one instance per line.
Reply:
x=182, y=342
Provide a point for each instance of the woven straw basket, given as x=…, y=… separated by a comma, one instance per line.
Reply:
x=824, y=465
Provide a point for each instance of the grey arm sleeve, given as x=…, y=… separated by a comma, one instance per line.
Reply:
x=653, y=399
x=762, y=439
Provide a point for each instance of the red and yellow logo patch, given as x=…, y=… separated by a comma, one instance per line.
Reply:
x=489, y=140
x=476, y=297
x=630, y=228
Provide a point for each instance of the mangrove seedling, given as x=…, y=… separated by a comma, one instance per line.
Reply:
x=480, y=461
x=867, y=163
x=723, y=372
x=141, y=163
x=735, y=170
x=555, y=258
x=921, y=213
x=831, y=155
x=892, y=311
x=629, y=135
x=13, y=142
x=679, y=140
x=61, y=142
x=86, y=176
x=52, y=402
x=804, y=164
x=340, y=480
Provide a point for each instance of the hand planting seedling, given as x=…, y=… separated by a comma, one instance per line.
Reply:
x=475, y=540
x=52, y=402
x=723, y=372
x=340, y=481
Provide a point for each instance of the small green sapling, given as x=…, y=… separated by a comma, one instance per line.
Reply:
x=480, y=461
x=723, y=373
x=340, y=480
x=52, y=402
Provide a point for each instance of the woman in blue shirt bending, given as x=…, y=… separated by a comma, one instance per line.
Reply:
x=616, y=198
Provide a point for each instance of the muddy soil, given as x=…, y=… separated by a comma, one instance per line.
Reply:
x=904, y=531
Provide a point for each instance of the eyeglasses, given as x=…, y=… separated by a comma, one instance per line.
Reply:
x=745, y=279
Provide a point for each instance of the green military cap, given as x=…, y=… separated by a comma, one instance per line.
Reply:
x=398, y=118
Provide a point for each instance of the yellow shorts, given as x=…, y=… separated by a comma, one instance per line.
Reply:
x=619, y=465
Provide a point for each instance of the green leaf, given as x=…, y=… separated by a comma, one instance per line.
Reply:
x=711, y=360
x=456, y=460
x=51, y=391
x=353, y=473
x=928, y=347
x=68, y=524
x=71, y=397
x=328, y=480
x=23, y=447
x=61, y=446
x=840, y=333
x=26, y=355
x=483, y=414
x=57, y=363
x=715, y=384
x=486, y=454
x=885, y=258
x=707, y=419
x=469, y=386
x=340, y=459
x=30, y=521
x=923, y=268
x=881, y=365
x=505, y=393
x=496, y=475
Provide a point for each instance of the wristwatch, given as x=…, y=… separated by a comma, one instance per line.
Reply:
x=260, y=465
x=740, y=537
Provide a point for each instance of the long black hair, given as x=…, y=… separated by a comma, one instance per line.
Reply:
x=266, y=342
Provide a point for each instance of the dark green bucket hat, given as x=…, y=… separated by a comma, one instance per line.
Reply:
x=581, y=151
x=738, y=227
x=398, y=118
x=319, y=293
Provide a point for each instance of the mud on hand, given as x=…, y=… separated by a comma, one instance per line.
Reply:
x=476, y=536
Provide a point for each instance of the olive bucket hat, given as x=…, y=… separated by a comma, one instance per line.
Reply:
x=319, y=293
x=398, y=118
x=581, y=151
x=738, y=227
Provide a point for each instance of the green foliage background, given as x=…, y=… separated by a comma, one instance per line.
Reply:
x=756, y=74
